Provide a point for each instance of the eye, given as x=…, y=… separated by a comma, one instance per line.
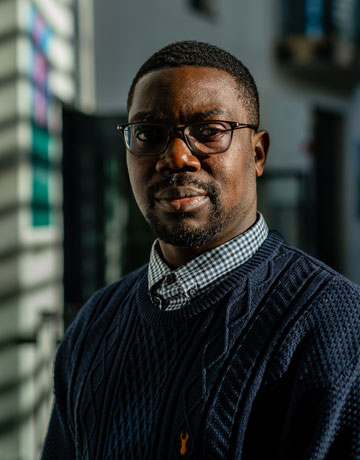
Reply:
x=208, y=131
x=145, y=133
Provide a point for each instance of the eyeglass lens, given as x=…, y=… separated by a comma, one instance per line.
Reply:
x=152, y=138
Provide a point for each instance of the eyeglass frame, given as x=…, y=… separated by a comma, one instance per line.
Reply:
x=171, y=130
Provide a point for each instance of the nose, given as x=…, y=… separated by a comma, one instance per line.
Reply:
x=177, y=158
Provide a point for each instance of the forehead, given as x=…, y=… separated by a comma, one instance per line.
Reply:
x=181, y=92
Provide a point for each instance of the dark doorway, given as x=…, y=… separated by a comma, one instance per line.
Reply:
x=329, y=129
x=105, y=235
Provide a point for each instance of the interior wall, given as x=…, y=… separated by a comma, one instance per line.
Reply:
x=129, y=32
x=352, y=189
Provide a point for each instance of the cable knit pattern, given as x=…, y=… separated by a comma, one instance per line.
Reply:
x=265, y=365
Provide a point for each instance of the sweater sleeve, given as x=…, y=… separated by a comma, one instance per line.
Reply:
x=59, y=443
x=64, y=439
x=61, y=440
x=309, y=406
x=303, y=423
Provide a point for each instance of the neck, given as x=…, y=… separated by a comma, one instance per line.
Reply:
x=176, y=256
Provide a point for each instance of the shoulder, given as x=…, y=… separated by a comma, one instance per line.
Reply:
x=319, y=330
x=97, y=316
x=301, y=262
x=298, y=277
x=103, y=301
x=322, y=340
x=87, y=342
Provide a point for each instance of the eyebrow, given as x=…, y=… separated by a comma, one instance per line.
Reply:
x=148, y=116
x=193, y=117
x=204, y=114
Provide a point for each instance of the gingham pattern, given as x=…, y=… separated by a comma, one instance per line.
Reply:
x=172, y=289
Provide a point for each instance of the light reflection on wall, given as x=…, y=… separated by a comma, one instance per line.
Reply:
x=36, y=76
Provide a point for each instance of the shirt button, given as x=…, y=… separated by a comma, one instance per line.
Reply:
x=156, y=301
x=192, y=291
x=171, y=278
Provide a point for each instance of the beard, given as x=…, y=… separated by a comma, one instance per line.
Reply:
x=181, y=234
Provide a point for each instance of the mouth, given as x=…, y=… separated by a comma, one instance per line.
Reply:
x=181, y=199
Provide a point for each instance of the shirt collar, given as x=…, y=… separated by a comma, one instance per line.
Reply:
x=211, y=265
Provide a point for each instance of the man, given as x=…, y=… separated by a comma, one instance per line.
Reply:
x=230, y=344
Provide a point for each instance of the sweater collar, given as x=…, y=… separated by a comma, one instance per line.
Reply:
x=240, y=280
x=172, y=289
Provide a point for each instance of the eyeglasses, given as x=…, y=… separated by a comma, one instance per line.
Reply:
x=205, y=137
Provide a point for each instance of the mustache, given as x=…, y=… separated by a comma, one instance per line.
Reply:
x=182, y=180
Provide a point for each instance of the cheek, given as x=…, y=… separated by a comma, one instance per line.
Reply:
x=135, y=174
x=140, y=172
x=237, y=178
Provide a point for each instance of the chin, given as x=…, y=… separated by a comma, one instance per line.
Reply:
x=184, y=235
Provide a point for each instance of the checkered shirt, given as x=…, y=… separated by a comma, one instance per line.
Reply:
x=172, y=289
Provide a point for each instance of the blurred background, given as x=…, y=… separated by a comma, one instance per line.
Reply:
x=68, y=222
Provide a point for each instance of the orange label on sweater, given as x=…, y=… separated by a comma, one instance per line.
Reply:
x=184, y=440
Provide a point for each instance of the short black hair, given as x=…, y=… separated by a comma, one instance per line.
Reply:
x=200, y=54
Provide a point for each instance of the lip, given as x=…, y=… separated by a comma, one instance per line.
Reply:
x=178, y=192
x=181, y=199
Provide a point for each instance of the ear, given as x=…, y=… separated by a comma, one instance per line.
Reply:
x=261, y=144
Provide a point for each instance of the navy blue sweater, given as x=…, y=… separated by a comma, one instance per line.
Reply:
x=264, y=366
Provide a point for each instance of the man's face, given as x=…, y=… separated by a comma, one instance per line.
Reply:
x=195, y=201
